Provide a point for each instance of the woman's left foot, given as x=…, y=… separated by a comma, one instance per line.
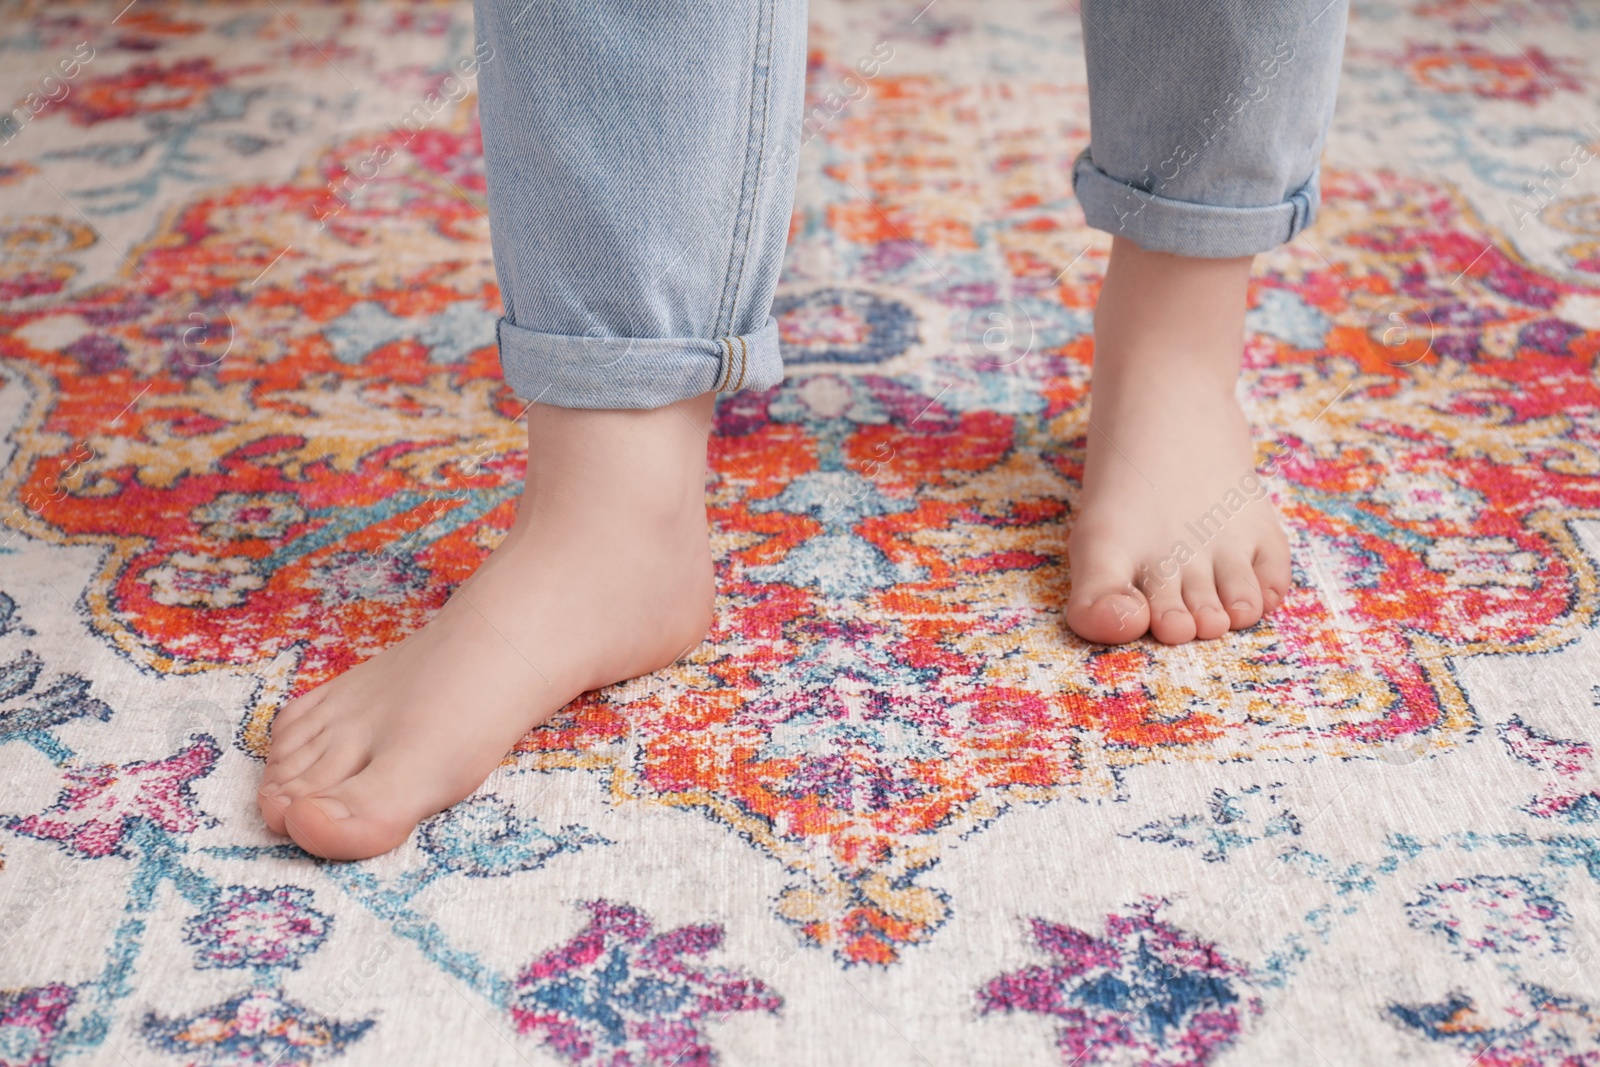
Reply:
x=1175, y=536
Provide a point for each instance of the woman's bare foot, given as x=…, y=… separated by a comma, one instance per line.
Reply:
x=1174, y=536
x=606, y=575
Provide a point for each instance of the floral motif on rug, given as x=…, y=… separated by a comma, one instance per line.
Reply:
x=278, y=429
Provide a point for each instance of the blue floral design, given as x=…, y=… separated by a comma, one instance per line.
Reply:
x=482, y=837
x=891, y=326
x=1146, y=992
x=25, y=708
x=1232, y=821
x=257, y=1028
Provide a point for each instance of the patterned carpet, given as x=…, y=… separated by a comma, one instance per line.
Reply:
x=892, y=812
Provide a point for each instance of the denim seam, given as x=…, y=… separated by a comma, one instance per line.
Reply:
x=725, y=372
x=725, y=382
x=733, y=280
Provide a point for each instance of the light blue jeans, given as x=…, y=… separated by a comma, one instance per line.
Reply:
x=641, y=168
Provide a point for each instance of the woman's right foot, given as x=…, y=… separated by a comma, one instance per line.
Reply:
x=606, y=575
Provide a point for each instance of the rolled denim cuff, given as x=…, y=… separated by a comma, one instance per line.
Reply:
x=1159, y=224
x=634, y=372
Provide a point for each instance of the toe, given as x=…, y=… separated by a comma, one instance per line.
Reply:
x=1239, y=592
x=296, y=711
x=1200, y=597
x=286, y=736
x=286, y=767
x=1272, y=572
x=1104, y=605
x=1112, y=618
x=1170, y=621
x=1109, y=616
x=273, y=804
x=340, y=761
x=335, y=764
x=301, y=704
x=355, y=820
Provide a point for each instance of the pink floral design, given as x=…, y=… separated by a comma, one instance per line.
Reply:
x=619, y=996
x=100, y=805
x=29, y=1022
x=250, y=926
x=1145, y=993
x=1573, y=788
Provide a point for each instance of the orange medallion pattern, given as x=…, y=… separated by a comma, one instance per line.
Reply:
x=282, y=426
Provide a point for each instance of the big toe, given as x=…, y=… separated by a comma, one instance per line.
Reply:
x=1108, y=612
x=273, y=803
x=339, y=827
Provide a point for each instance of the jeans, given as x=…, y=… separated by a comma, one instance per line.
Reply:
x=641, y=163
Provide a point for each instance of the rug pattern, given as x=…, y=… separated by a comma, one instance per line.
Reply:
x=268, y=410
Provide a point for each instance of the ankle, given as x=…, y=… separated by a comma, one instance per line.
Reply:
x=645, y=465
x=1163, y=320
x=1153, y=289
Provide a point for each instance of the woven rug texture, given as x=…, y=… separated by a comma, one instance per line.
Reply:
x=891, y=811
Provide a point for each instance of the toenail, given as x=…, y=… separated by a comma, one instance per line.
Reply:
x=269, y=789
x=1174, y=611
x=280, y=800
x=333, y=809
x=1243, y=605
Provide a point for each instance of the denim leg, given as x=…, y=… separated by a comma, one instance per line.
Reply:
x=1206, y=120
x=641, y=168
